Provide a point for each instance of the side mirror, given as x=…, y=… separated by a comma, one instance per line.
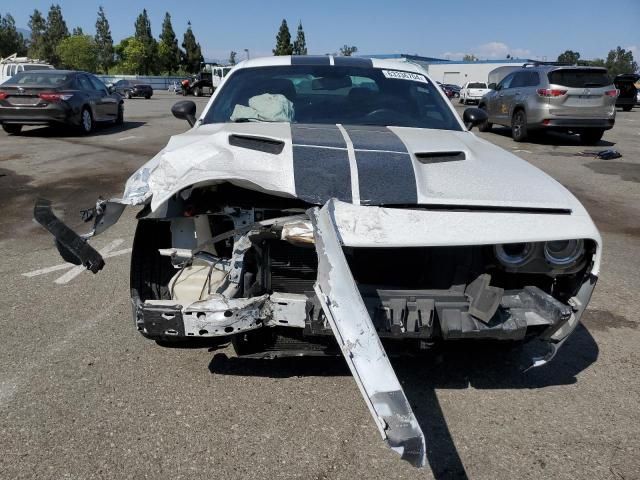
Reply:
x=111, y=89
x=472, y=117
x=491, y=86
x=185, y=110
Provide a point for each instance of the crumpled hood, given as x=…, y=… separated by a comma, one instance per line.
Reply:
x=357, y=164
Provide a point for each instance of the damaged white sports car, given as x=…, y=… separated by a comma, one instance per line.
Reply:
x=327, y=205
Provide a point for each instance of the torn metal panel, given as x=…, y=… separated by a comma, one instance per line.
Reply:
x=356, y=335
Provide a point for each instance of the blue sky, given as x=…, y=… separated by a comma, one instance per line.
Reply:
x=488, y=29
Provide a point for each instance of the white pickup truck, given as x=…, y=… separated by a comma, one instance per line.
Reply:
x=473, y=92
x=13, y=64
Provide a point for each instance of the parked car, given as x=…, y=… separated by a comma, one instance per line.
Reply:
x=447, y=91
x=454, y=88
x=305, y=214
x=628, y=92
x=473, y=92
x=57, y=97
x=548, y=97
x=131, y=88
x=206, y=81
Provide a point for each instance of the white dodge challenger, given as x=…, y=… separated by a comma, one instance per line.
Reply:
x=339, y=205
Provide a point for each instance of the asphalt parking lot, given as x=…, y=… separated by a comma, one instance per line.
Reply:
x=83, y=396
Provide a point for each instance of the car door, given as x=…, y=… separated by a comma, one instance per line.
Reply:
x=108, y=102
x=498, y=108
x=90, y=93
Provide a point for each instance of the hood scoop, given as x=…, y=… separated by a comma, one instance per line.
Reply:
x=260, y=144
x=440, y=157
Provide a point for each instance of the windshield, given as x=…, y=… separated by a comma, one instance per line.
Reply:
x=477, y=85
x=330, y=94
x=38, y=78
x=580, y=78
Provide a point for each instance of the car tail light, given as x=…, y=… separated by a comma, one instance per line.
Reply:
x=55, y=97
x=3, y=95
x=608, y=93
x=547, y=92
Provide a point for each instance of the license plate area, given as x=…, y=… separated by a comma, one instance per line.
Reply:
x=23, y=100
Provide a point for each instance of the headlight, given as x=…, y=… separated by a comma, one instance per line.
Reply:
x=563, y=252
x=514, y=254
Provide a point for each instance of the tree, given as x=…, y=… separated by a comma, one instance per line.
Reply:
x=283, y=40
x=469, y=57
x=38, y=26
x=300, y=43
x=347, y=51
x=144, y=36
x=168, y=50
x=77, y=31
x=104, y=42
x=620, y=61
x=78, y=52
x=11, y=41
x=569, y=56
x=232, y=58
x=55, y=32
x=192, y=53
x=131, y=56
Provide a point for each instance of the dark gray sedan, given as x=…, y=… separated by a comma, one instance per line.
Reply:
x=130, y=89
x=57, y=97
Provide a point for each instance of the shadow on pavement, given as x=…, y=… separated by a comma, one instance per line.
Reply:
x=453, y=366
x=555, y=139
x=69, y=131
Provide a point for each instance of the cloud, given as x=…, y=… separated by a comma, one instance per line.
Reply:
x=491, y=50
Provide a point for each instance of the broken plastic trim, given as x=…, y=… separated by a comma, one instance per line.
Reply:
x=72, y=247
x=356, y=335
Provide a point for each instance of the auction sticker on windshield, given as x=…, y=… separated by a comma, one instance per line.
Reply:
x=415, y=77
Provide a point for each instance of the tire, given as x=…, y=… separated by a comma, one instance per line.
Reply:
x=519, y=126
x=485, y=126
x=197, y=92
x=591, y=136
x=127, y=95
x=12, y=128
x=147, y=97
x=120, y=116
x=86, y=121
x=150, y=271
x=627, y=108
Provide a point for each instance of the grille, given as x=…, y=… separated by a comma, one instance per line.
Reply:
x=292, y=269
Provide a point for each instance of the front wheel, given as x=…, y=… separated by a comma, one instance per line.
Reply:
x=12, y=129
x=519, y=126
x=197, y=92
x=627, y=108
x=591, y=136
x=127, y=94
x=120, y=116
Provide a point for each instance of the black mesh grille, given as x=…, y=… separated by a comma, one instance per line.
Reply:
x=293, y=269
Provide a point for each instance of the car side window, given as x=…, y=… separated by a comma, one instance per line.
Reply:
x=506, y=82
x=84, y=83
x=97, y=84
x=519, y=80
x=532, y=79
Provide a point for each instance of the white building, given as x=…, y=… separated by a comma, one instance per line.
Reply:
x=456, y=72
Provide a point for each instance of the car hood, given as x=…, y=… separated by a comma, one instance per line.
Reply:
x=395, y=166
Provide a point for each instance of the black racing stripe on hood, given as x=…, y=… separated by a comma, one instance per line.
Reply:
x=353, y=62
x=385, y=169
x=310, y=60
x=321, y=168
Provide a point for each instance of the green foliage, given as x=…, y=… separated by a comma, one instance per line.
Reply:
x=192, y=53
x=232, y=57
x=104, y=42
x=11, y=41
x=78, y=52
x=38, y=26
x=283, y=40
x=620, y=61
x=300, y=43
x=143, y=34
x=131, y=56
x=169, y=53
x=470, y=58
x=56, y=30
x=570, y=57
x=347, y=51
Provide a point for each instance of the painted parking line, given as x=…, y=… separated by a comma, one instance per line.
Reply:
x=126, y=138
x=75, y=270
